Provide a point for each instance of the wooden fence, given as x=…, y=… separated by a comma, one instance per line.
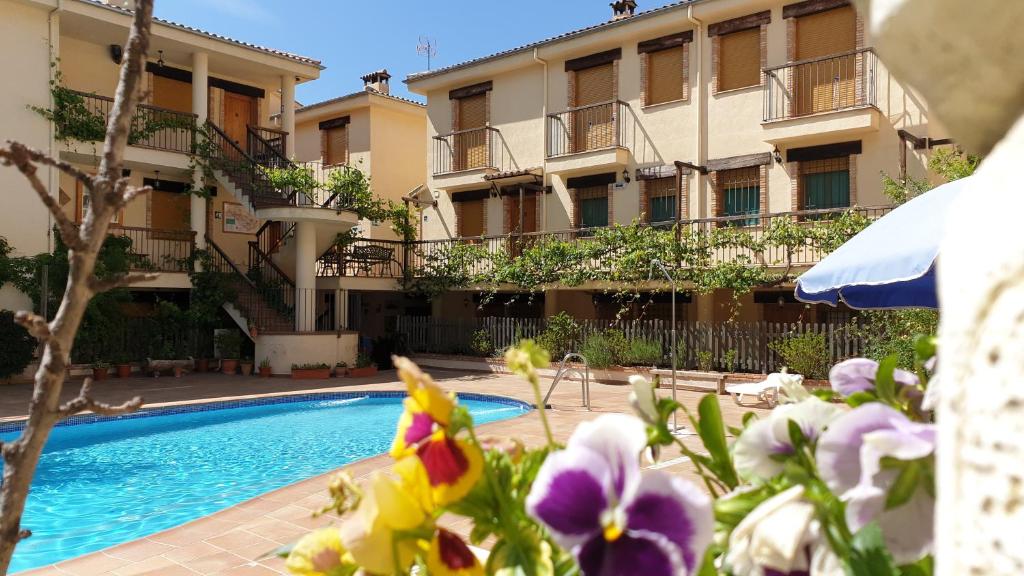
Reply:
x=750, y=343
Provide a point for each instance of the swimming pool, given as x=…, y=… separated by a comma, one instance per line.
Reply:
x=104, y=481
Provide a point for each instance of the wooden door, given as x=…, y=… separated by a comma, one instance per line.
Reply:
x=593, y=124
x=827, y=83
x=239, y=113
x=471, y=218
x=471, y=138
x=529, y=223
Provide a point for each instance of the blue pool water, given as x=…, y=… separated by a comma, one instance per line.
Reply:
x=103, y=481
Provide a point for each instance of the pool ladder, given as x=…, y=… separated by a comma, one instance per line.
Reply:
x=564, y=370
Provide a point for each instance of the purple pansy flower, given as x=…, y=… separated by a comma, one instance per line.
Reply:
x=849, y=457
x=594, y=501
x=763, y=439
x=858, y=375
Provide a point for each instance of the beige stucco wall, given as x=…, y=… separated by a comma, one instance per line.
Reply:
x=399, y=154
x=283, y=350
x=24, y=60
x=669, y=132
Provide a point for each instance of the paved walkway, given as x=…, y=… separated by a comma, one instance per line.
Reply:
x=235, y=541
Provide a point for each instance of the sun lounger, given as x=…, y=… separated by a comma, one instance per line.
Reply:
x=766, y=391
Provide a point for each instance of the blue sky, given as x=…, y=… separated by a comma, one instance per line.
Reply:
x=354, y=37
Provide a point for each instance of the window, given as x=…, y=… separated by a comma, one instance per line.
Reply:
x=740, y=194
x=825, y=183
x=739, y=59
x=470, y=138
x=592, y=204
x=82, y=206
x=594, y=123
x=826, y=83
x=661, y=200
x=666, y=76
x=336, y=145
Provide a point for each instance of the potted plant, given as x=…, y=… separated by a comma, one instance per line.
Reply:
x=123, y=367
x=202, y=365
x=364, y=367
x=246, y=366
x=310, y=371
x=229, y=344
x=265, y=368
x=100, y=370
x=341, y=370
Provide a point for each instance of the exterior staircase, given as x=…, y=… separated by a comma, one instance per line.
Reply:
x=266, y=306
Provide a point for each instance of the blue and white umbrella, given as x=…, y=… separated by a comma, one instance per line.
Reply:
x=889, y=264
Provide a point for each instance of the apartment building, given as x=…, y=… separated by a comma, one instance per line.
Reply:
x=742, y=110
x=219, y=114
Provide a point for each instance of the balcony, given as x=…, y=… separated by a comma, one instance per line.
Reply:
x=157, y=250
x=81, y=116
x=830, y=95
x=461, y=158
x=593, y=137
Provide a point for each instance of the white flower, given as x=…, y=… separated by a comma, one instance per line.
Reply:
x=642, y=399
x=754, y=450
x=783, y=536
x=791, y=386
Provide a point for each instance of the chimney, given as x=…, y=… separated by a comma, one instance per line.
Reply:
x=622, y=9
x=377, y=81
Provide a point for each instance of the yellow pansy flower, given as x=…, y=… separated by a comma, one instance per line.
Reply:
x=317, y=554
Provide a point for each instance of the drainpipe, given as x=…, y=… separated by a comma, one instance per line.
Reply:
x=544, y=120
x=701, y=115
x=52, y=175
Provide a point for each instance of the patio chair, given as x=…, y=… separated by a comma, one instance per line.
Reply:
x=766, y=391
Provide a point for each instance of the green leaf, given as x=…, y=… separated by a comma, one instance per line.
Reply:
x=923, y=567
x=748, y=418
x=905, y=485
x=525, y=555
x=925, y=347
x=885, y=384
x=825, y=394
x=712, y=433
x=859, y=398
x=868, y=554
x=796, y=435
x=707, y=567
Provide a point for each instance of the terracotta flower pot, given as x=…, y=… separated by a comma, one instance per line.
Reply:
x=246, y=368
x=203, y=365
x=311, y=373
x=178, y=371
x=100, y=373
x=265, y=372
x=229, y=366
x=341, y=371
x=124, y=370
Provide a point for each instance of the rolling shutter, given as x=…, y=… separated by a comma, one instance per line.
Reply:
x=336, y=146
x=172, y=94
x=827, y=84
x=169, y=211
x=739, y=59
x=595, y=85
x=665, y=76
x=471, y=147
x=473, y=112
x=593, y=127
x=471, y=218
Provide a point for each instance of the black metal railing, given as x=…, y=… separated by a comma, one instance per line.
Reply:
x=586, y=128
x=157, y=250
x=828, y=84
x=83, y=116
x=471, y=150
x=364, y=258
x=267, y=146
x=243, y=170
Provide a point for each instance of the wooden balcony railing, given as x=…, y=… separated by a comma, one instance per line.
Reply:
x=586, y=128
x=83, y=116
x=470, y=150
x=829, y=84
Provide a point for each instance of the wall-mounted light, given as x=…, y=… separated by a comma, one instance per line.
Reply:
x=777, y=155
x=782, y=301
x=116, y=53
x=625, y=175
x=156, y=180
x=160, y=60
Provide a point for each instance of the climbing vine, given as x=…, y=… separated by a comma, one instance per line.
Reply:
x=705, y=259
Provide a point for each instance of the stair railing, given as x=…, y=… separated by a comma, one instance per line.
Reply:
x=262, y=305
x=225, y=154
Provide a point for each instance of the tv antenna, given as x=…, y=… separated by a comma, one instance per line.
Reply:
x=427, y=47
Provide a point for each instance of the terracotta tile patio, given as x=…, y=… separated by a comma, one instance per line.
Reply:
x=236, y=541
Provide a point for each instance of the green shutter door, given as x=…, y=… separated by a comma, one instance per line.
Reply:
x=594, y=212
x=827, y=190
x=663, y=209
x=743, y=200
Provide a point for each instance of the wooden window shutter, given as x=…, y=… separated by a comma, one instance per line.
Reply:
x=595, y=85
x=739, y=59
x=473, y=112
x=665, y=75
x=170, y=210
x=471, y=218
x=826, y=33
x=336, y=146
x=828, y=84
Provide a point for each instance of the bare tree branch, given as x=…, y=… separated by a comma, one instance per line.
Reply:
x=17, y=155
x=98, y=286
x=131, y=193
x=84, y=401
x=123, y=192
x=41, y=157
x=36, y=325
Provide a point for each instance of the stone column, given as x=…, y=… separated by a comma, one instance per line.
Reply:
x=200, y=107
x=288, y=113
x=305, y=276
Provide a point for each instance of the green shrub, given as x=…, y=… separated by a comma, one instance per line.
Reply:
x=804, y=354
x=229, y=343
x=604, y=349
x=705, y=360
x=729, y=360
x=892, y=332
x=16, y=346
x=643, y=352
x=559, y=335
x=364, y=360
x=481, y=344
